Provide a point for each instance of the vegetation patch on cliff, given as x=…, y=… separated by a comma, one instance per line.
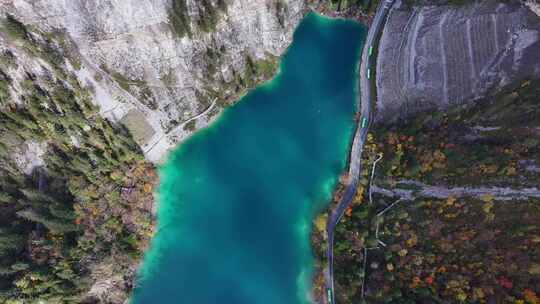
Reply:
x=255, y=72
x=206, y=20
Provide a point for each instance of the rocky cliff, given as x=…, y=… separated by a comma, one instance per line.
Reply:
x=436, y=57
x=164, y=67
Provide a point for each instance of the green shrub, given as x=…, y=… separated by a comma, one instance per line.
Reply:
x=122, y=81
x=179, y=18
x=14, y=28
x=52, y=55
x=4, y=89
x=7, y=59
x=209, y=17
x=190, y=126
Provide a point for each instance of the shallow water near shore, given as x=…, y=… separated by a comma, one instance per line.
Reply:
x=236, y=199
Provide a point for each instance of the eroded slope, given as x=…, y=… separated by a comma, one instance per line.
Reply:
x=441, y=56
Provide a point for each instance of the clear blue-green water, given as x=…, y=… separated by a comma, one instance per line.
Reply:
x=237, y=199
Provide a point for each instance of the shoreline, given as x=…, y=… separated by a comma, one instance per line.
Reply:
x=231, y=100
x=320, y=262
x=364, y=109
x=267, y=82
x=234, y=99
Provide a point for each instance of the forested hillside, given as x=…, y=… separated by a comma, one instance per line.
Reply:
x=454, y=210
x=75, y=191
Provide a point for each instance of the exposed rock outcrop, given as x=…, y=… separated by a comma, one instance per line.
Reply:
x=534, y=6
x=30, y=156
x=440, y=56
x=137, y=65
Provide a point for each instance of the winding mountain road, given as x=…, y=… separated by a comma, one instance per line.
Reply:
x=366, y=104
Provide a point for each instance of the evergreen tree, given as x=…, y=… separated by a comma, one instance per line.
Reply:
x=10, y=242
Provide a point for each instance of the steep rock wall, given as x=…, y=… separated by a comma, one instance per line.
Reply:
x=139, y=68
x=434, y=57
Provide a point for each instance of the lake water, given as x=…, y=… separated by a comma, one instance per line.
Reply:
x=237, y=199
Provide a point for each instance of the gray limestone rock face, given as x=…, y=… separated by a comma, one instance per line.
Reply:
x=434, y=57
x=132, y=59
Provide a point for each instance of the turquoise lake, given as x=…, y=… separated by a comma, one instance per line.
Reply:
x=237, y=199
